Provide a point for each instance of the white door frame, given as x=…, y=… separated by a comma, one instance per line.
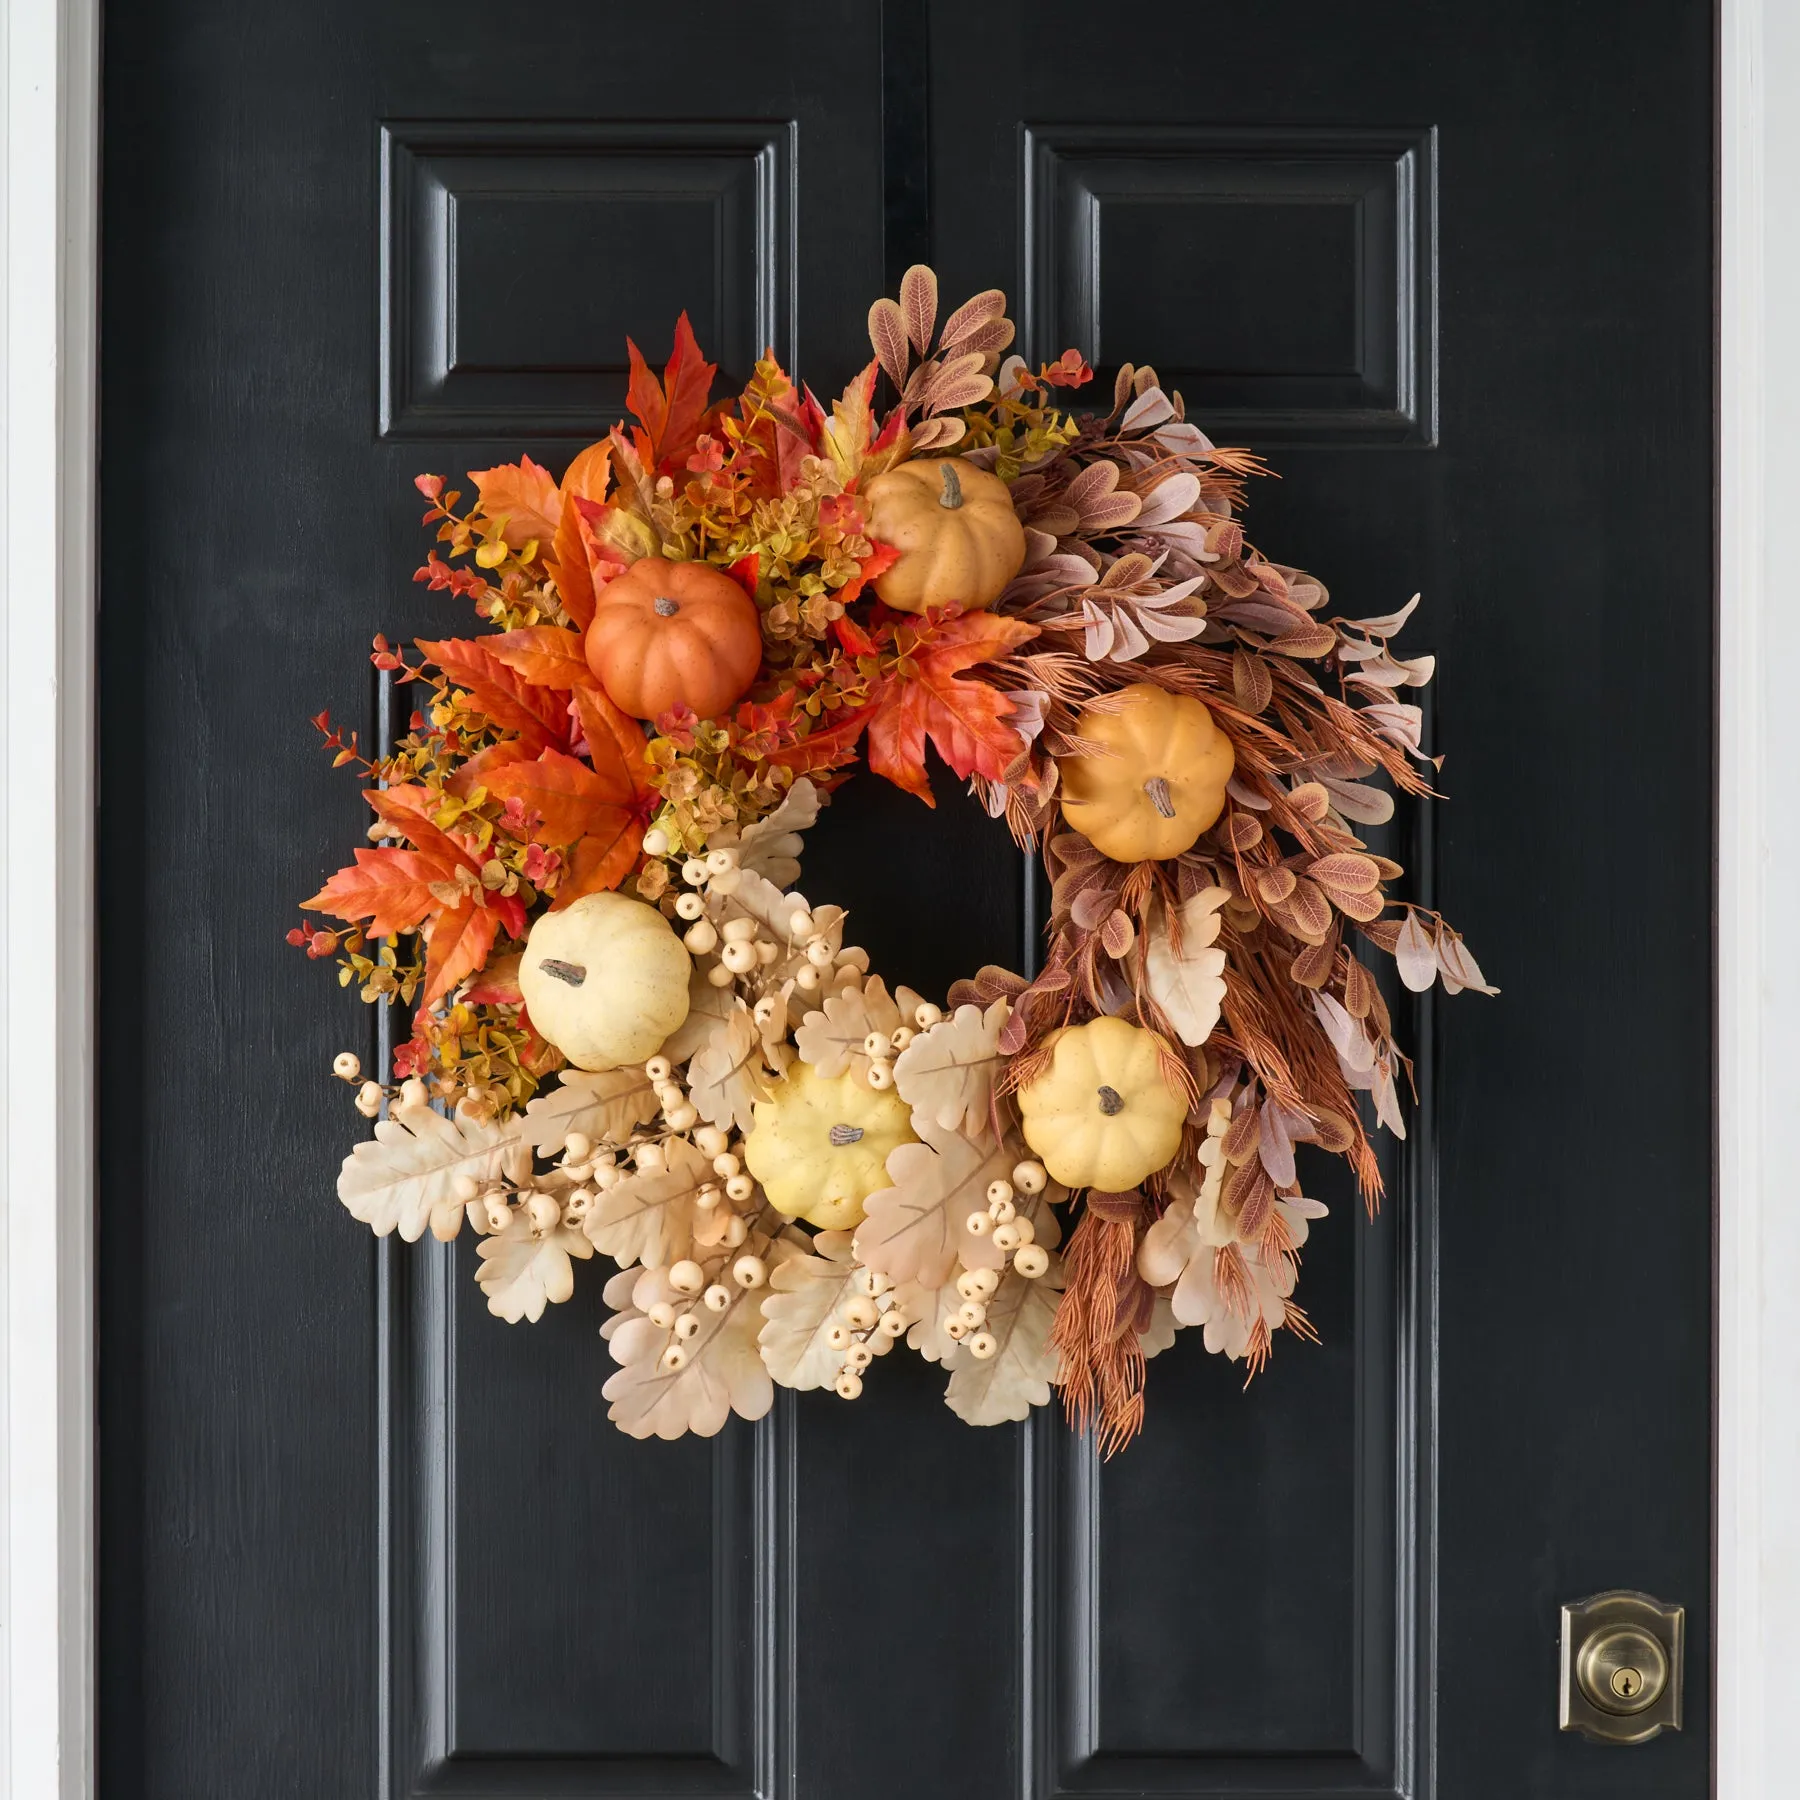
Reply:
x=1759, y=901
x=49, y=180
x=47, y=790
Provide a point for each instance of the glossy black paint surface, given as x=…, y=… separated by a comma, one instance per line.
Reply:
x=1451, y=267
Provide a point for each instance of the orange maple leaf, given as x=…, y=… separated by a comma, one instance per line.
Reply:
x=474, y=773
x=506, y=697
x=572, y=799
x=387, y=886
x=406, y=811
x=615, y=740
x=673, y=410
x=586, y=479
x=925, y=699
x=524, y=495
x=457, y=943
x=545, y=655
x=601, y=860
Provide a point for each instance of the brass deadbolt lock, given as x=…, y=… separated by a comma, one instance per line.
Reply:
x=1621, y=1667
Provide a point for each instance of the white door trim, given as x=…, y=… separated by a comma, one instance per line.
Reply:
x=47, y=383
x=1759, y=901
x=48, y=348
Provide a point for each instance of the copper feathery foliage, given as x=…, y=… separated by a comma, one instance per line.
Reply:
x=1105, y=1306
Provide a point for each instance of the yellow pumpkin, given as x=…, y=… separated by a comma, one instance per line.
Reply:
x=1161, y=783
x=1102, y=1115
x=960, y=541
x=605, y=980
x=819, y=1145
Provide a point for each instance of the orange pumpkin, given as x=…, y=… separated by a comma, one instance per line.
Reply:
x=674, y=634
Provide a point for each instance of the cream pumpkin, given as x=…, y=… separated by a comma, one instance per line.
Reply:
x=819, y=1145
x=1160, y=781
x=1101, y=1115
x=960, y=541
x=605, y=980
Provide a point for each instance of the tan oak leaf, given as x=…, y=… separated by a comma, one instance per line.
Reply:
x=946, y=1074
x=931, y=1308
x=709, y=1011
x=404, y=1178
x=722, y=1373
x=605, y=1107
x=1189, y=985
x=801, y=1307
x=523, y=1271
x=771, y=847
x=1017, y=1377
x=653, y=1218
x=746, y=893
x=831, y=1039
x=726, y=1078
x=916, y=1230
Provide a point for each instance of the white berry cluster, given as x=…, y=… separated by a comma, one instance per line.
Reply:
x=865, y=1325
x=1012, y=1231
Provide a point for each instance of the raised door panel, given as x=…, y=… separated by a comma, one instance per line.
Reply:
x=626, y=226
x=1285, y=275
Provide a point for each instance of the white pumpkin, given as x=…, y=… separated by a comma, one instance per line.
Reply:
x=605, y=980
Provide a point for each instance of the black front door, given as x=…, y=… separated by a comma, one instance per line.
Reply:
x=1449, y=269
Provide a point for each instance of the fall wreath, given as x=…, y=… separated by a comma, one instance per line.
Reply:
x=631, y=1034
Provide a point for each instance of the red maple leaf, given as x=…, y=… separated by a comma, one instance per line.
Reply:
x=499, y=983
x=926, y=698
x=879, y=560
x=827, y=747
x=673, y=410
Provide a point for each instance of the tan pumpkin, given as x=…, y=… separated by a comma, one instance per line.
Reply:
x=819, y=1145
x=1161, y=783
x=605, y=980
x=1101, y=1115
x=674, y=634
x=960, y=541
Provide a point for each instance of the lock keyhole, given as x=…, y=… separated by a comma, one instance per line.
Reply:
x=1622, y=1669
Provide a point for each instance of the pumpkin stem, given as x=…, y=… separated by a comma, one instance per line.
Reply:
x=1158, y=790
x=665, y=607
x=573, y=973
x=841, y=1135
x=1112, y=1102
x=952, y=496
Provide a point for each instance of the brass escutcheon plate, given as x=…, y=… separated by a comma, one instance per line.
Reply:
x=1621, y=1667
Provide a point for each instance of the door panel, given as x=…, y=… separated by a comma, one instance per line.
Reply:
x=1547, y=270
x=1453, y=273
